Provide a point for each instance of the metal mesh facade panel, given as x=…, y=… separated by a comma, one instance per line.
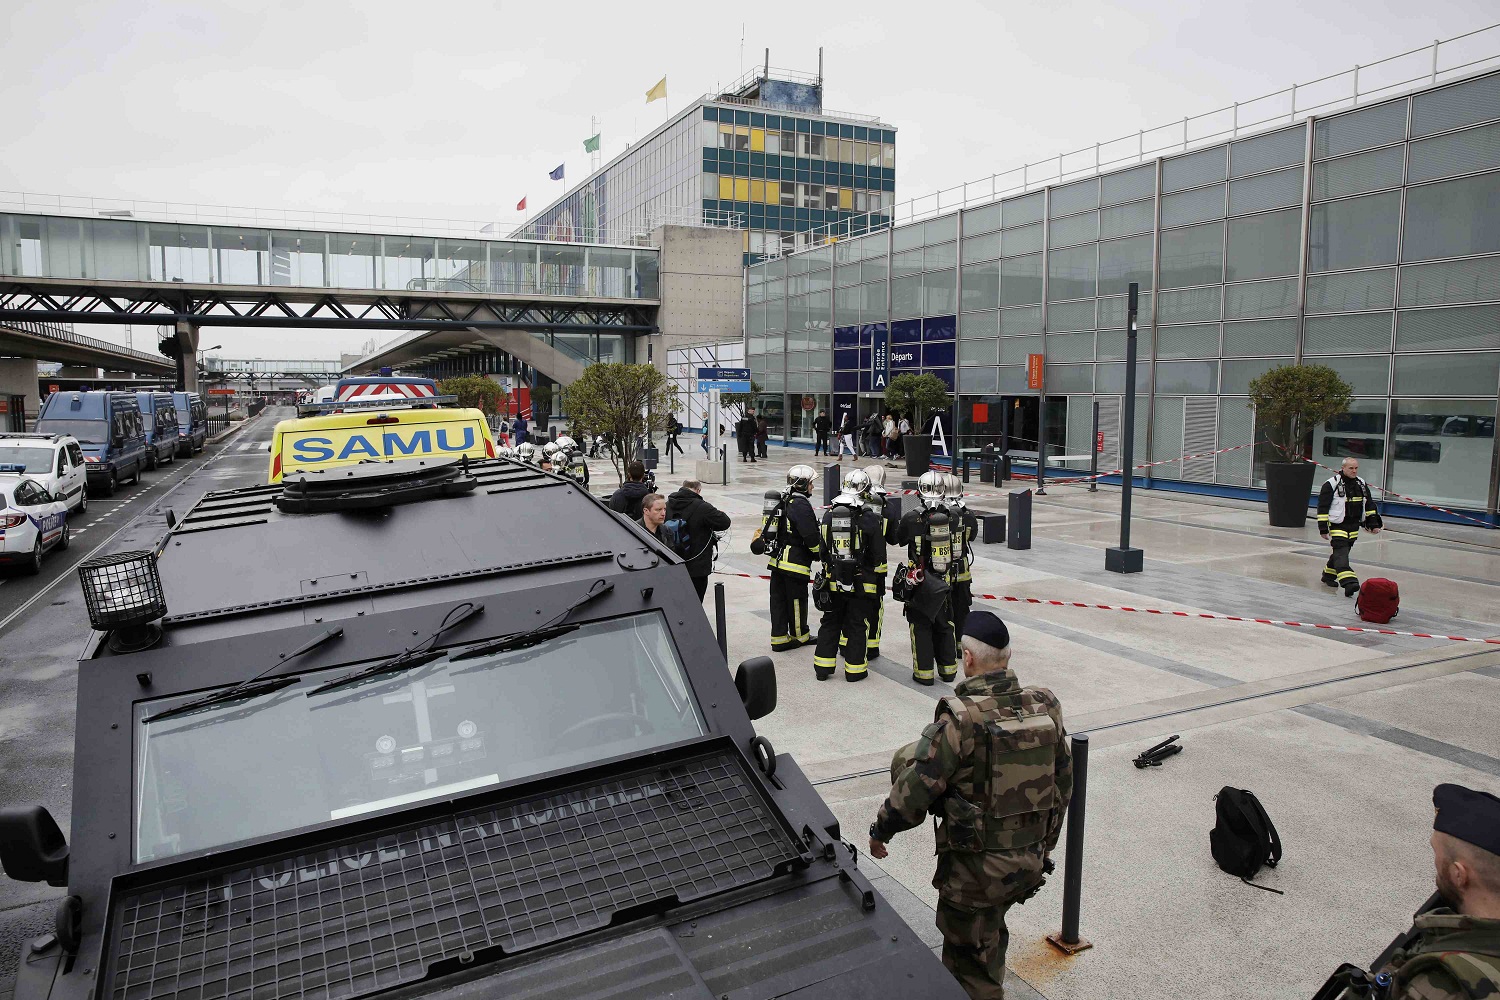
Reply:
x=1461, y=328
x=1450, y=281
x=1128, y=185
x=1113, y=310
x=1124, y=261
x=981, y=285
x=1260, y=338
x=1258, y=194
x=1193, y=169
x=977, y=326
x=1192, y=256
x=1070, y=347
x=1020, y=211
x=941, y=230
x=1074, y=229
x=1200, y=429
x=906, y=297
x=1166, y=436
x=1065, y=317
x=1360, y=334
x=1072, y=273
x=1452, y=218
x=1014, y=350
x=1020, y=281
x=904, y=238
x=1456, y=106
x=1356, y=174
x=1189, y=305
x=1202, y=205
x=373, y=914
x=1356, y=232
x=1126, y=220
x=1188, y=341
x=1187, y=377
x=1264, y=246
x=1080, y=433
x=1236, y=425
x=985, y=247
x=1080, y=196
x=1237, y=373
x=1267, y=152
x=940, y=289
x=1463, y=152
x=820, y=381
x=978, y=352
x=1370, y=127
x=978, y=381
x=1447, y=374
x=1012, y=380
x=1026, y=239
x=1070, y=379
x=1348, y=291
x=1260, y=298
x=1369, y=375
x=907, y=262
x=1027, y=319
x=982, y=220
x=1110, y=345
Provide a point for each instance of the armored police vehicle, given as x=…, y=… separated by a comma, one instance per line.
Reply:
x=385, y=730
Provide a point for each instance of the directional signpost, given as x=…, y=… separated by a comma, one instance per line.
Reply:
x=714, y=381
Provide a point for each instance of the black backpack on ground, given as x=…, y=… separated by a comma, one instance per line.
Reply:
x=1243, y=838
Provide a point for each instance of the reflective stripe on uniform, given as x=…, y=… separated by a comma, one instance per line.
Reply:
x=799, y=627
x=826, y=662
x=1341, y=533
x=791, y=567
x=854, y=668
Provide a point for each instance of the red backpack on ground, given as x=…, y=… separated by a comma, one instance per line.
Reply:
x=1379, y=600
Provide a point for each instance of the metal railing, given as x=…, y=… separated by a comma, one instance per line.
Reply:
x=1388, y=77
x=64, y=332
x=631, y=233
x=760, y=104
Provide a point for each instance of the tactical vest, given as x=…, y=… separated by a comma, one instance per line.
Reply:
x=1468, y=950
x=1336, y=509
x=1004, y=796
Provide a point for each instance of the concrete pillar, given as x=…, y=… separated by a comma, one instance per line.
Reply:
x=187, y=356
x=18, y=378
x=702, y=290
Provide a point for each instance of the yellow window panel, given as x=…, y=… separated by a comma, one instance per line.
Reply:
x=745, y=241
x=742, y=189
x=773, y=192
x=758, y=139
x=727, y=129
x=726, y=188
x=758, y=191
x=846, y=198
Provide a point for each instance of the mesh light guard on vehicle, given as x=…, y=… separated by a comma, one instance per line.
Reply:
x=372, y=913
x=122, y=590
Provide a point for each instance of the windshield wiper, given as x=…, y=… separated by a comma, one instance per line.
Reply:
x=419, y=654
x=547, y=630
x=249, y=688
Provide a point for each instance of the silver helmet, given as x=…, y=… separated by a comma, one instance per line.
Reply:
x=930, y=485
x=877, y=478
x=550, y=449
x=953, y=487
x=505, y=451
x=526, y=452
x=800, y=477
x=857, y=482
x=566, y=443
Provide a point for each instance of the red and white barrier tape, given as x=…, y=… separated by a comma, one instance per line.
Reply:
x=1229, y=618
x=1188, y=614
x=1399, y=496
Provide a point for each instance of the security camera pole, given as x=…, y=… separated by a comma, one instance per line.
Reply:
x=1125, y=559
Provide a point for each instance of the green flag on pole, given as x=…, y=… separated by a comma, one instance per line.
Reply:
x=591, y=144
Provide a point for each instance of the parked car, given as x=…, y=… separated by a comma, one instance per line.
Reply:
x=159, y=417
x=32, y=521
x=107, y=425
x=192, y=423
x=54, y=460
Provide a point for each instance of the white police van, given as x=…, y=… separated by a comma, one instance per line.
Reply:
x=54, y=460
x=32, y=521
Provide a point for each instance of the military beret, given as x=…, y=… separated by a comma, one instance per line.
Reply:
x=987, y=627
x=1473, y=817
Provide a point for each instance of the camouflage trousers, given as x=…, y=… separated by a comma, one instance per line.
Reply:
x=974, y=943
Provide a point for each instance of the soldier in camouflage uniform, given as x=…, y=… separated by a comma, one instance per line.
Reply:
x=995, y=766
x=1453, y=952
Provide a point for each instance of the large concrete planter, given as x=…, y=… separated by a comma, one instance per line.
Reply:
x=1288, y=490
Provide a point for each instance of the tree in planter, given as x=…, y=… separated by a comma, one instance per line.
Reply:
x=1291, y=400
x=918, y=395
x=473, y=390
x=623, y=401
x=541, y=405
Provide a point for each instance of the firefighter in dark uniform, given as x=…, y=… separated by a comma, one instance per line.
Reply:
x=850, y=582
x=924, y=583
x=788, y=537
x=1344, y=506
x=965, y=528
x=875, y=501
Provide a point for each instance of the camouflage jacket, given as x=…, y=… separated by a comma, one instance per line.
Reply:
x=1452, y=957
x=988, y=852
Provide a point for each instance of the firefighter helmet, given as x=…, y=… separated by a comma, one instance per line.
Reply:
x=857, y=483
x=550, y=449
x=930, y=485
x=505, y=451
x=800, y=477
x=566, y=443
x=877, y=478
x=526, y=452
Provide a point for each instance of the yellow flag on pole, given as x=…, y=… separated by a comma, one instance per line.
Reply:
x=658, y=92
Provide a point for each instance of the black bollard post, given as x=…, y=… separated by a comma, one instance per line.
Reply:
x=1125, y=559
x=1067, y=939
x=1018, y=530
x=724, y=461
x=720, y=622
x=672, y=459
x=966, y=469
x=1094, y=452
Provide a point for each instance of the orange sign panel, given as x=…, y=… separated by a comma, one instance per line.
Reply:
x=1034, y=371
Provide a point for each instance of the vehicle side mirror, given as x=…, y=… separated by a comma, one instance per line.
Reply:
x=32, y=848
x=756, y=682
x=60, y=497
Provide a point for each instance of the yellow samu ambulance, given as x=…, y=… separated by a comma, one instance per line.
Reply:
x=377, y=420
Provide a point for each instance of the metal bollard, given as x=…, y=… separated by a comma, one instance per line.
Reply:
x=1067, y=939
x=720, y=622
x=833, y=482
x=1018, y=523
x=724, y=461
x=966, y=469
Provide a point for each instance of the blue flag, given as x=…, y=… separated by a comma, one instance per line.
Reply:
x=557, y=174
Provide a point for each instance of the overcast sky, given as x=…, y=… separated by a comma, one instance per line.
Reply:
x=456, y=110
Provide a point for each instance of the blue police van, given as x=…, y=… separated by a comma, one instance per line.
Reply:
x=108, y=427
x=159, y=418
x=192, y=423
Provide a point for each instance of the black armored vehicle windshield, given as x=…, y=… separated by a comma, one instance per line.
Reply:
x=434, y=729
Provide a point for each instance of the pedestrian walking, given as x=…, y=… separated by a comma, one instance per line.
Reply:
x=889, y=437
x=925, y=584
x=903, y=428
x=874, y=431
x=674, y=428
x=520, y=428
x=846, y=437
x=701, y=520
x=789, y=538
x=995, y=766
x=1344, y=506
x=762, y=435
x=744, y=435
x=853, y=552
x=821, y=426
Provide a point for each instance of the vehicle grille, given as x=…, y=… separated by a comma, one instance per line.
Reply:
x=373, y=913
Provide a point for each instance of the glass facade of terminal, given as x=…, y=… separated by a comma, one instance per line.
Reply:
x=1368, y=241
x=775, y=174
